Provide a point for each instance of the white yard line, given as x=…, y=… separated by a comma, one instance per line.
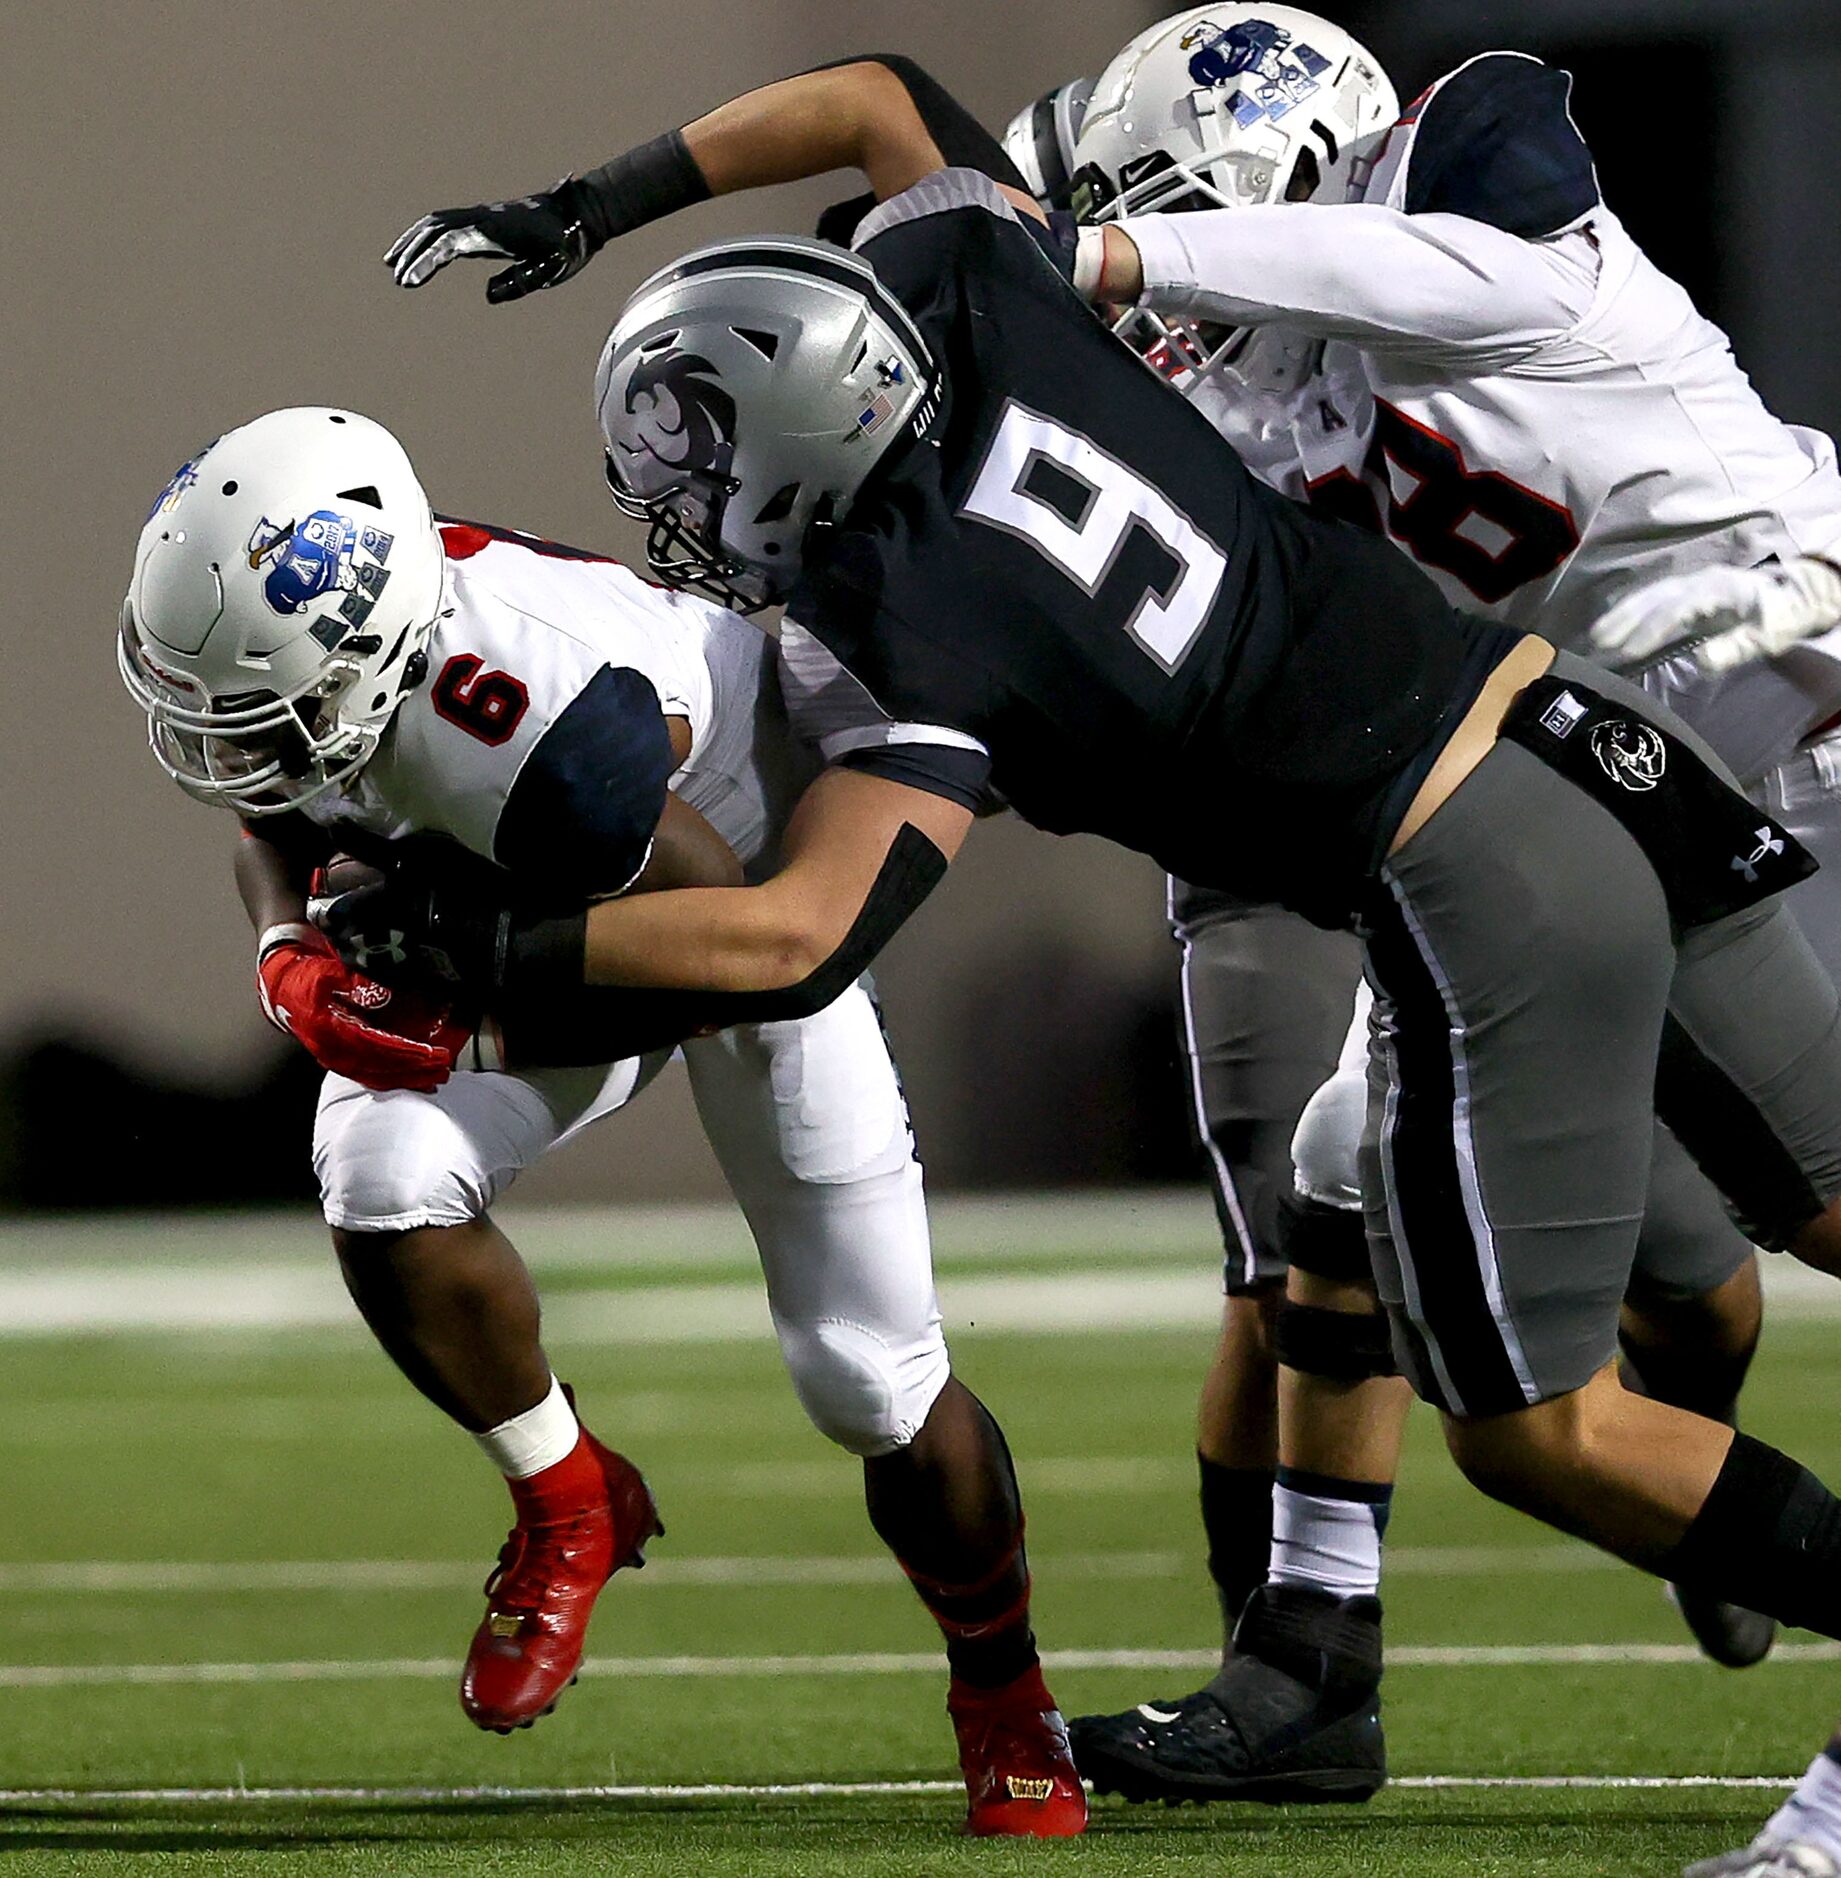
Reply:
x=115, y=1576
x=1124, y=1261
x=816, y=1789
x=858, y=1663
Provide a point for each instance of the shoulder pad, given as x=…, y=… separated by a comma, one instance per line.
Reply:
x=1495, y=141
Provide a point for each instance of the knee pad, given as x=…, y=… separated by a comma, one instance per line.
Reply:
x=857, y=1390
x=1326, y=1241
x=1326, y=1145
x=1340, y=1346
x=392, y=1162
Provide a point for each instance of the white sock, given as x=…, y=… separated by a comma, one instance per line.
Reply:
x=1813, y=1811
x=537, y=1439
x=1326, y=1544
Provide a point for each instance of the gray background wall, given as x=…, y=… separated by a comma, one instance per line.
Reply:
x=198, y=196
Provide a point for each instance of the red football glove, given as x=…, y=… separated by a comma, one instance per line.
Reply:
x=383, y=1037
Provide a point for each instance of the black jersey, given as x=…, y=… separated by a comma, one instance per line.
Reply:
x=1073, y=568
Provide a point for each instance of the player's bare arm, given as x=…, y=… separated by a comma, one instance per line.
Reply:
x=881, y=115
x=271, y=882
x=776, y=935
x=687, y=852
x=862, y=853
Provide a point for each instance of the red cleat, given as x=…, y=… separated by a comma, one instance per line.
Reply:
x=579, y=1522
x=1020, y=1778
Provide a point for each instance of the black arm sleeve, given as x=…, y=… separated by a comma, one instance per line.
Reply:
x=961, y=776
x=963, y=141
x=551, y=1020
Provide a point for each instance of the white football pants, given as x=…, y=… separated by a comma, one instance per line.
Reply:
x=808, y=1122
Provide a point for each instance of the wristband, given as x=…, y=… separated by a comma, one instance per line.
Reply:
x=644, y=185
x=287, y=932
x=1089, y=261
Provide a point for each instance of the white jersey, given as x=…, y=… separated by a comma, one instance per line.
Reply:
x=1543, y=424
x=550, y=675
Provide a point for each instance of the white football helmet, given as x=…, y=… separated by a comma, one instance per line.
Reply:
x=744, y=394
x=284, y=588
x=1226, y=107
x=1040, y=140
x=1231, y=105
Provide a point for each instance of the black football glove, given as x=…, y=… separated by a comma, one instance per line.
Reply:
x=460, y=937
x=544, y=234
x=550, y=237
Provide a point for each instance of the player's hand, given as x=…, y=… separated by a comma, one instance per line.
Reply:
x=1723, y=616
x=408, y=930
x=351, y=1024
x=545, y=235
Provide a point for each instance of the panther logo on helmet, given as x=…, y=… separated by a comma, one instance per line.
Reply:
x=1282, y=73
x=1630, y=753
x=688, y=418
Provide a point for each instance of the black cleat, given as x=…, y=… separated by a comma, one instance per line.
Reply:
x=1734, y=1637
x=1293, y=1716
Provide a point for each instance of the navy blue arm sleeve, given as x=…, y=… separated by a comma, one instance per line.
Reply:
x=580, y=818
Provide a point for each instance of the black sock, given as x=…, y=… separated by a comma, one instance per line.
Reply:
x=1237, y=1516
x=1768, y=1538
x=948, y=1507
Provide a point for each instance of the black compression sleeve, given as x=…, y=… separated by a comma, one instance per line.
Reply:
x=958, y=775
x=552, y=1020
x=963, y=141
x=644, y=185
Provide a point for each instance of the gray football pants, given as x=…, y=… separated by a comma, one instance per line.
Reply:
x=1266, y=998
x=1526, y=971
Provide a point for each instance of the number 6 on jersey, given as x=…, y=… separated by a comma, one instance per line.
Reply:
x=1078, y=507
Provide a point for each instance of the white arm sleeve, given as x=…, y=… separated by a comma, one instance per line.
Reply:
x=1432, y=286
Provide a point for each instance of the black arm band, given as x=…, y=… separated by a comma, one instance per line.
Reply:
x=550, y=1022
x=645, y=185
x=962, y=140
x=959, y=776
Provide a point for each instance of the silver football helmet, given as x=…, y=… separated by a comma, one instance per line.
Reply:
x=1226, y=107
x=284, y=587
x=1040, y=141
x=744, y=394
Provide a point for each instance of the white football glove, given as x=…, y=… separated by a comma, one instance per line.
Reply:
x=1727, y=616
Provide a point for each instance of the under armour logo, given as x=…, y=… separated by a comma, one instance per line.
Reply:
x=363, y=951
x=1748, y=864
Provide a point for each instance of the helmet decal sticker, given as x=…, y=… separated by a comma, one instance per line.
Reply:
x=178, y=483
x=687, y=417
x=878, y=406
x=1280, y=73
x=320, y=555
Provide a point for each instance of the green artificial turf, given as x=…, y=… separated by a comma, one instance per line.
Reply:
x=259, y=1450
